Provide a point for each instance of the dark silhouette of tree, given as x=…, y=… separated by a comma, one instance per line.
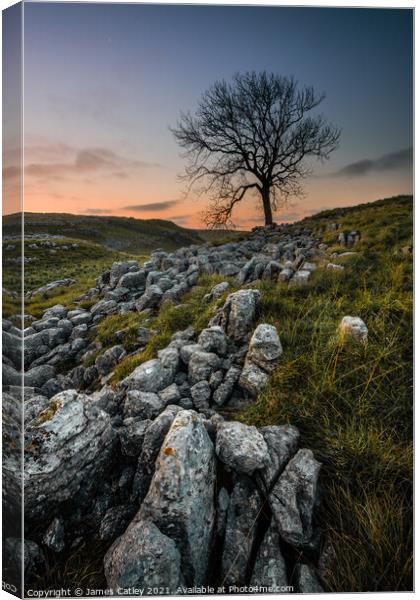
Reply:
x=253, y=135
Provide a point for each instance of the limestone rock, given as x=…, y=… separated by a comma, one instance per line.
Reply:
x=201, y=394
x=213, y=339
x=238, y=313
x=354, y=328
x=150, y=299
x=54, y=536
x=132, y=435
x=253, y=379
x=150, y=376
x=241, y=527
x=270, y=568
x=240, y=447
x=69, y=446
x=265, y=348
x=115, y=521
x=201, y=365
x=307, y=581
x=145, y=405
x=153, y=438
x=282, y=443
x=180, y=497
x=225, y=389
x=143, y=557
x=294, y=497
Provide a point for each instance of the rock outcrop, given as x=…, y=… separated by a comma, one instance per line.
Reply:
x=152, y=467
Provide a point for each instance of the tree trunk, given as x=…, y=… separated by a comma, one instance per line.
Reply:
x=265, y=194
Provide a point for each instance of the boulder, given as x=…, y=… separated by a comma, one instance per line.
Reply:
x=354, y=328
x=132, y=435
x=109, y=359
x=104, y=307
x=213, y=339
x=150, y=299
x=225, y=389
x=282, y=443
x=241, y=528
x=253, y=379
x=119, y=269
x=54, y=536
x=143, y=558
x=307, y=580
x=265, y=348
x=145, y=405
x=170, y=395
x=240, y=447
x=81, y=318
x=270, y=568
x=238, y=313
x=68, y=447
x=215, y=292
x=300, y=278
x=153, y=438
x=285, y=274
x=133, y=280
x=201, y=365
x=294, y=498
x=150, y=376
x=334, y=267
x=180, y=497
x=201, y=394
x=115, y=521
x=37, y=376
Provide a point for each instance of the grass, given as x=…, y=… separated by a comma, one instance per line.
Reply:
x=81, y=569
x=352, y=403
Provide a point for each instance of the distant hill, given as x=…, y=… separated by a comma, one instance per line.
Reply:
x=116, y=233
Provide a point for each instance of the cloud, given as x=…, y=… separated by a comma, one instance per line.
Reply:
x=387, y=162
x=41, y=163
x=152, y=206
x=98, y=211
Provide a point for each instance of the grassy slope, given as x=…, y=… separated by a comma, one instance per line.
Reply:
x=352, y=404
x=118, y=233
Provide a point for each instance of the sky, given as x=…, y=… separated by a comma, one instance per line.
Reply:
x=103, y=84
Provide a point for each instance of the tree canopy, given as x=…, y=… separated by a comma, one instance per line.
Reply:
x=253, y=135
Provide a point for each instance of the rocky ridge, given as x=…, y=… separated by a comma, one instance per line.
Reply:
x=154, y=466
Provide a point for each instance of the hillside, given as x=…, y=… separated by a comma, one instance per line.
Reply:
x=277, y=358
x=138, y=236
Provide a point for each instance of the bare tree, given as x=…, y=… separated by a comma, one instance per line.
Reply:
x=253, y=135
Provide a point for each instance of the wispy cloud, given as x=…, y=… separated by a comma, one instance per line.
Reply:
x=387, y=162
x=42, y=164
x=151, y=206
x=88, y=161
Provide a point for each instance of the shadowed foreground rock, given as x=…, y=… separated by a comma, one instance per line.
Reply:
x=69, y=445
x=143, y=558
